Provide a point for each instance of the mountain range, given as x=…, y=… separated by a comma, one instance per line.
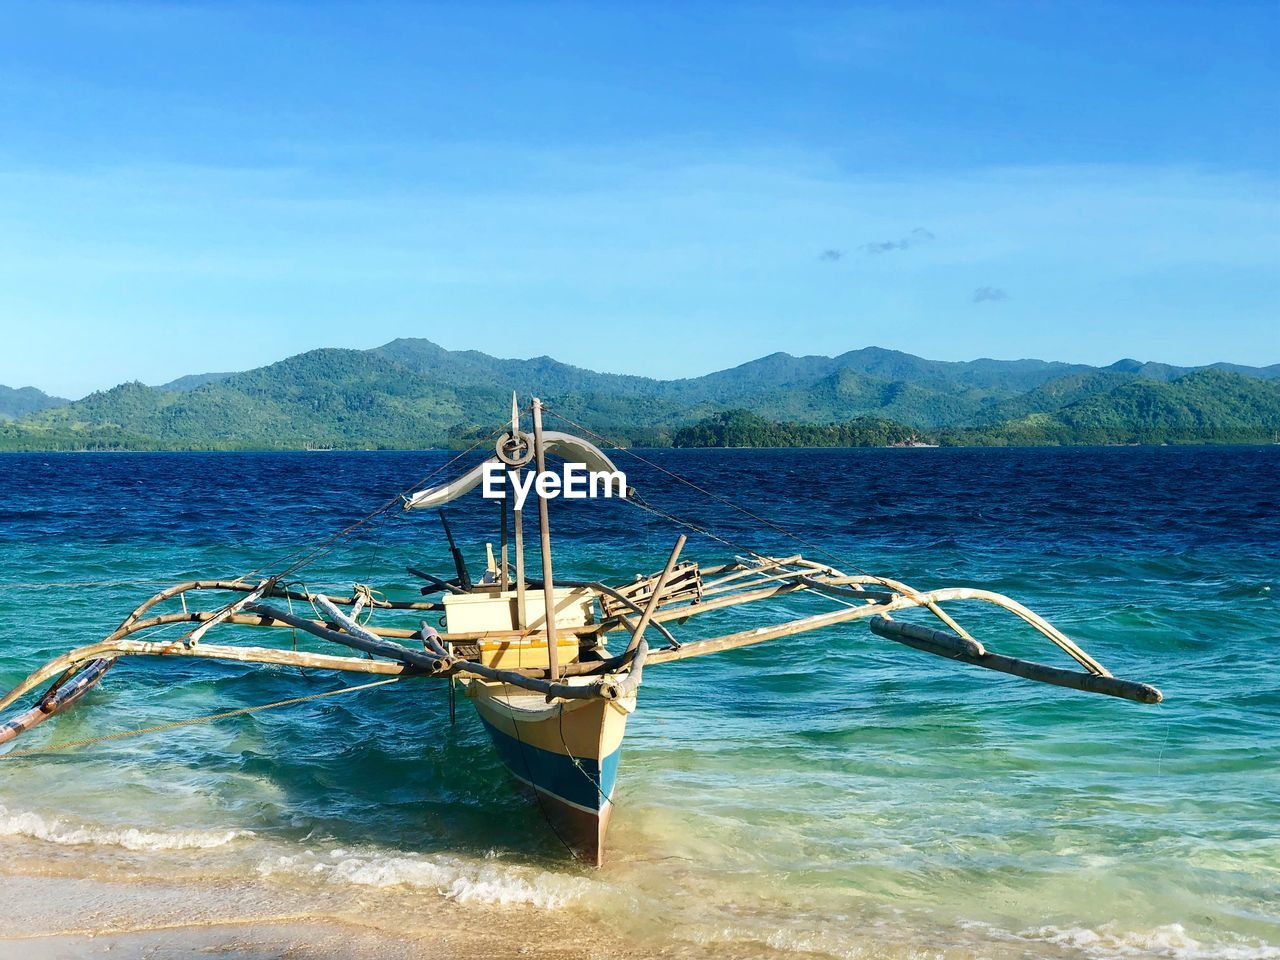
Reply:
x=16, y=402
x=412, y=393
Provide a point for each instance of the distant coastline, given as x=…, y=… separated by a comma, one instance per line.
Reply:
x=413, y=394
x=233, y=451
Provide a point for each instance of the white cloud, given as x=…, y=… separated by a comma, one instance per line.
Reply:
x=521, y=252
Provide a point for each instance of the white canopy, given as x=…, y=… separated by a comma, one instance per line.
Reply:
x=565, y=446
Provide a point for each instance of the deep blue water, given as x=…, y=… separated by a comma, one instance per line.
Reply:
x=834, y=776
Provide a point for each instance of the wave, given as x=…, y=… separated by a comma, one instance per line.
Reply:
x=454, y=878
x=1169, y=940
x=36, y=827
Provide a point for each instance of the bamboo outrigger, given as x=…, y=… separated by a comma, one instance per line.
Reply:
x=554, y=699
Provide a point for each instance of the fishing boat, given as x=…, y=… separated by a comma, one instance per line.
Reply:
x=552, y=666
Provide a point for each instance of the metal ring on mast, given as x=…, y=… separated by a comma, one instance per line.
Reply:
x=515, y=449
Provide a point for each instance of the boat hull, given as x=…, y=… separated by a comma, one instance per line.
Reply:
x=565, y=752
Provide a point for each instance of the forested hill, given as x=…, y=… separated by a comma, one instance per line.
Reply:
x=413, y=394
x=23, y=400
x=1209, y=406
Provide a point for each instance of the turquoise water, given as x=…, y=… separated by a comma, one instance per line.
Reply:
x=834, y=794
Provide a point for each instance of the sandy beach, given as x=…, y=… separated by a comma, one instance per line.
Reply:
x=53, y=917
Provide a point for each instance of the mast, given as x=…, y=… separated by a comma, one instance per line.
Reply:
x=504, y=571
x=548, y=588
x=504, y=579
x=522, y=619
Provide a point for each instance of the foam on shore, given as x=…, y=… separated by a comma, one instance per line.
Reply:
x=456, y=879
x=54, y=830
x=1170, y=940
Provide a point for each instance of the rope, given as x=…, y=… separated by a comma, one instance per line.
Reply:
x=209, y=718
x=294, y=630
x=326, y=546
x=636, y=500
x=817, y=548
x=533, y=783
x=578, y=763
x=310, y=554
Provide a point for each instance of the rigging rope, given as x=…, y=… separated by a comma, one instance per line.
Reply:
x=327, y=546
x=208, y=718
x=597, y=784
x=636, y=500
x=524, y=759
x=818, y=548
x=308, y=555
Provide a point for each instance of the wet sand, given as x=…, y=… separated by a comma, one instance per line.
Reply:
x=50, y=917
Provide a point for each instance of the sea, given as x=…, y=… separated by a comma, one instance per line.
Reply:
x=830, y=795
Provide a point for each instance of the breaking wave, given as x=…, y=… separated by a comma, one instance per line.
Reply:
x=53, y=830
x=451, y=877
x=1171, y=941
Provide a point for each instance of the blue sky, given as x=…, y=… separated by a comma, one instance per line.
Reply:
x=663, y=189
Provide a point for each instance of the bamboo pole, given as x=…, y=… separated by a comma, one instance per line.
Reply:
x=746, y=638
x=1067, y=645
x=902, y=602
x=906, y=601
x=605, y=688
x=360, y=638
x=522, y=615
x=65, y=694
x=245, y=602
x=857, y=593
x=933, y=607
x=784, y=584
x=621, y=598
x=544, y=531
x=240, y=586
x=109, y=649
x=684, y=611
x=54, y=702
x=522, y=612
x=756, y=580
x=551, y=690
x=394, y=633
x=953, y=647
x=504, y=580
x=117, y=645
x=655, y=598
x=956, y=644
x=737, y=571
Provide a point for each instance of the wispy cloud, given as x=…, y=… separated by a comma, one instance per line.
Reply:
x=913, y=239
x=1114, y=261
x=830, y=255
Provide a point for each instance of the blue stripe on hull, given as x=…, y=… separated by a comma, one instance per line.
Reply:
x=589, y=785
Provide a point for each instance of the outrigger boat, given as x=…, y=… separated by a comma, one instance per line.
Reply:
x=531, y=654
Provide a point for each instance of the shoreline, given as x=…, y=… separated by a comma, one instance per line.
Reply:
x=54, y=915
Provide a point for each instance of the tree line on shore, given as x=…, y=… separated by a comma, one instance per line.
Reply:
x=413, y=394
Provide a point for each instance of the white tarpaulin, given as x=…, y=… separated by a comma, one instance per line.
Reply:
x=567, y=447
